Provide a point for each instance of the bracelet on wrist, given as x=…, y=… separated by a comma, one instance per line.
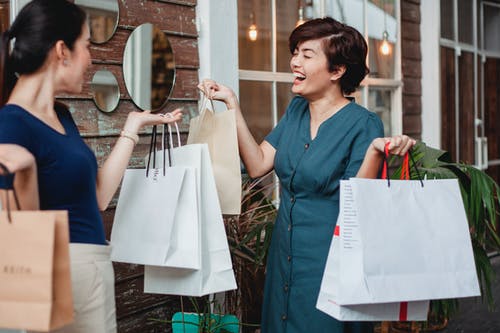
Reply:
x=129, y=135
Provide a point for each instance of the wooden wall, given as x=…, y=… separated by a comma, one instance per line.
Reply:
x=101, y=130
x=411, y=59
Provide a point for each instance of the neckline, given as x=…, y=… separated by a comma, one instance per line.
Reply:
x=65, y=134
x=308, y=122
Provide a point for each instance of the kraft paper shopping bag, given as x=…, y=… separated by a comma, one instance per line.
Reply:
x=35, y=284
x=218, y=131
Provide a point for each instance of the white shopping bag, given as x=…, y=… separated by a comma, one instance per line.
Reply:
x=397, y=311
x=408, y=241
x=216, y=271
x=156, y=217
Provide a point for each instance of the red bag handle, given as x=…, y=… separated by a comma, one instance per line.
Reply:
x=405, y=168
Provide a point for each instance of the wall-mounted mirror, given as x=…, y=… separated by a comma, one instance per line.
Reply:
x=148, y=67
x=103, y=18
x=105, y=90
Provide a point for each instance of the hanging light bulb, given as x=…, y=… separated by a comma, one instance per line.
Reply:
x=301, y=17
x=385, y=47
x=252, y=29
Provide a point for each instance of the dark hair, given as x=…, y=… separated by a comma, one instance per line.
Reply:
x=36, y=29
x=342, y=44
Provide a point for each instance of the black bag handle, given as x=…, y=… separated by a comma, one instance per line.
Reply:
x=7, y=172
x=166, y=146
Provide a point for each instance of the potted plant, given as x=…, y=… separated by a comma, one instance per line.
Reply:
x=480, y=194
x=206, y=319
x=249, y=236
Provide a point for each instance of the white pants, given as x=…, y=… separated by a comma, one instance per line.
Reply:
x=93, y=285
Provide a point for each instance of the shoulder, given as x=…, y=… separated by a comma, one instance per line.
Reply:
x=13, y=116
x=297, y=106
x=364, y=117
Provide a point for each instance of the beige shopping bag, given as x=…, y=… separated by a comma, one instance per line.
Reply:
x=35, y=284
x=218, y=131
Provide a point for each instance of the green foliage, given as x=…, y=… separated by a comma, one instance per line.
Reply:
x=481, y=201
x=249, y=235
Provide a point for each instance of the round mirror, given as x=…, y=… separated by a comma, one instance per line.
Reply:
x=148, y=67
x=105, y=90
x=103, y=18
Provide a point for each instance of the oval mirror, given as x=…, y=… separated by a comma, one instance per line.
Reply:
x=148, y=67
x=103, y=18
x=105, y=90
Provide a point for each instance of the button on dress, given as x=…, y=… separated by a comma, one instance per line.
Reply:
x=309, y=172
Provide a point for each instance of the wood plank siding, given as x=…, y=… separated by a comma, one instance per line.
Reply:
x=411, y=58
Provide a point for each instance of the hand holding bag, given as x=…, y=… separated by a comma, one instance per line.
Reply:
x=409, y=241
x=35, y=284
x=218, y=131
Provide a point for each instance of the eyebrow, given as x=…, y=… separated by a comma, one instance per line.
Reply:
x=307, y=49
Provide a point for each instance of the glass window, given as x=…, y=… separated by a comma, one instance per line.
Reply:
x=447, y=19
x=491, y=27
x=465, y=21
x=257, y=111
x=382, y=30
x=379, y=101
x=286, y=20
x=347, y=11
x=254, y=50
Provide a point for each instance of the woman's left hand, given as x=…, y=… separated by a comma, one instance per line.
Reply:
x=137, y=120
x=398, y=145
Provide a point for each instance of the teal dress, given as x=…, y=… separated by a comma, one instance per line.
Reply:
x=309, y=172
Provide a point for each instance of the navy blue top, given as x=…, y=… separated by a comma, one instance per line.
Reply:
x=67, y=169
x=309, y=171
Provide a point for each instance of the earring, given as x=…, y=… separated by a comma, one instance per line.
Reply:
x=65, y=62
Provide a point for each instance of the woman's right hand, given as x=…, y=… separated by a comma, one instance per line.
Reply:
x=218, y=92
x=15, y=158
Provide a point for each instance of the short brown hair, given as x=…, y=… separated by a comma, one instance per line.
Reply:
x=342, y=44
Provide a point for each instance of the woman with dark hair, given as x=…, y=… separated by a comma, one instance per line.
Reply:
x=322, y=138
x=49, y=56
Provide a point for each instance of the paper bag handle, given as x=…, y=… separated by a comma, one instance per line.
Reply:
x=204, y=102
x=405, y=168
x=7, y=172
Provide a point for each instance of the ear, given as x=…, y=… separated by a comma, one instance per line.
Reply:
x=61, y=51
x=338, y=72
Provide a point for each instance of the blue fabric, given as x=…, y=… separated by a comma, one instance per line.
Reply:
x=67, y=169
x=309, y=172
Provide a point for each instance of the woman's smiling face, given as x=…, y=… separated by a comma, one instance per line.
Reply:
x=309, y=65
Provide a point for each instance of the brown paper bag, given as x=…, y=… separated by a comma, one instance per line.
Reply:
x=218, y=130
x=35, y=284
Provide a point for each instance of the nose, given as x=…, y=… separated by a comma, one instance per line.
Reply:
x=294, y=62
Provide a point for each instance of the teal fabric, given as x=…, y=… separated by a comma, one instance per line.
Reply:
x=309, y=172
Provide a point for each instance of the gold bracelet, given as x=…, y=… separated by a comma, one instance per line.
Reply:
x=129, y=135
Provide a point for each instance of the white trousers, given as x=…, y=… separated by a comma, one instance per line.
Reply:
x=93, y=285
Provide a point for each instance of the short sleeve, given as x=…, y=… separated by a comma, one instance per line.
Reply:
x=370, y=129
x=14, y=130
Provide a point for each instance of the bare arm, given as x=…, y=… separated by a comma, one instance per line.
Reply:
x=258, y=159
x=20, y=161
x=398, y=145
x=110, y=174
